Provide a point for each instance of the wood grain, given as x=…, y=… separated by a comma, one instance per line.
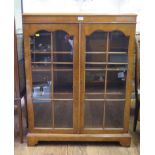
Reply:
x=81, y=148
x=73, y=18
x=79, y=30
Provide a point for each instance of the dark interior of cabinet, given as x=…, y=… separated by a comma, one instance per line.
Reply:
x=106, y=65
x=105, y=79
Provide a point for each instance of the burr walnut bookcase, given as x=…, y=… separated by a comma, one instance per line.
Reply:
x=79, y=76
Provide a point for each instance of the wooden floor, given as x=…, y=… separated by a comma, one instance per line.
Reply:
x=52, y=148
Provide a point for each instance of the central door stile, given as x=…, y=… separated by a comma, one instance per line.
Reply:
x=76, y=80
x=52, y=79
x=82, y=75
x=79, y=78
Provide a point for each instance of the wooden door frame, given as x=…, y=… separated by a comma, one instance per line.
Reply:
x=128, y=30
x=31, y=29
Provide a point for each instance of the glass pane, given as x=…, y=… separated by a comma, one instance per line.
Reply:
x=96, y=42
x=117, y=67
x=90, y=66
x=41, y=42
x=115, y=58
x=52, y=77
x=42, y=113
x=63, y=114
x=41, y=84
x=116, y=83
x=63, y=47
x=63, y=79
x=63, y=67
x=63, y=42
x=63, y=84
x=95, y=83
x=41, y=67
x=40, y=46
x=92, y=57
x=41, y=57
x=94, y=114
x=118, y=42
x=114, y=114
x=96, y=45
x=63, y=57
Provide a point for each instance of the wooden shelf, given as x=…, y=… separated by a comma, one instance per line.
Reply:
x=41, y=70
x=99, y=93
x=40, y=52
x=42, y=62
x=106, y=63
x=55, y=70
x=118, y=53
x=104, y=99
x=53, y=52
x=69, y=52
x=49, y=99
x=108, y=69
x=96, y=52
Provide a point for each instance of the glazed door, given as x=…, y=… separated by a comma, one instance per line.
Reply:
x=52, y=60
x=104, y=68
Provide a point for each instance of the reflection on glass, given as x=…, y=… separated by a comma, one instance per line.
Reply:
x=41, y=83
x=118, y=42
x=96, y=41
x=60, y=57
x=40, y=46
x=63, y=82
x=96, y=45
x=94, y=67
x=41, y=41
x=94, y=81
x=63, y=67
x=63, y=114
x=118, y=67
x=42, y=113
x=116, y=82
x=95, y=73
x=95, y=57
x=114, y=114
x=40, y=67
x=105, y=79
x=94, y=114
x=63, y=45
x=59, y=43
x=62, y=41
x=115, y=58
x=52, y=49
x=52, y=78
x=40, y=57
x=63, y=73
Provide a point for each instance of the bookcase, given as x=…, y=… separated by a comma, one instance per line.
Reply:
x=79, y=76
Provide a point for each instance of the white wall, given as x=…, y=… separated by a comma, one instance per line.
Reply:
x=18, y=16
x=101, y=6
x=84, y=6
